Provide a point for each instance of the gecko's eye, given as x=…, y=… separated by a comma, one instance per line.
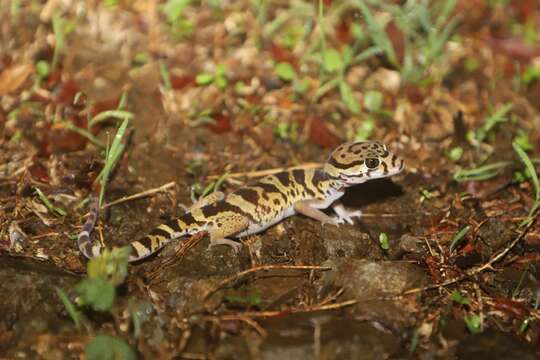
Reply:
x=372, y=163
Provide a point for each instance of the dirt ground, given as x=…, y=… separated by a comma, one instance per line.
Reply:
x=444, y=262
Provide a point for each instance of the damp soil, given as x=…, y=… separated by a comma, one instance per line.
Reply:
x=299, y=290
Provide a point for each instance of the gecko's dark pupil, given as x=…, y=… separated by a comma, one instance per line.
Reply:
x=372, y=163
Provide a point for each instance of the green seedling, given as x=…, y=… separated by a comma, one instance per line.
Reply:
x=105, y=347
x=218, y=78
x=498, y=117
x=455, y=154
x=285, y=71
x=112, y=155
x=474, y=323
x=383, y=241
x=179, y=25
x=457, y=297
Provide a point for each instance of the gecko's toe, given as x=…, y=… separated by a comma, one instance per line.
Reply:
x=236, y=246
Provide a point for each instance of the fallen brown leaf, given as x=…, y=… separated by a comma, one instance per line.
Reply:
x=13, y=77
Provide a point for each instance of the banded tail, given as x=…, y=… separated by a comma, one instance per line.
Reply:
x=140, y=249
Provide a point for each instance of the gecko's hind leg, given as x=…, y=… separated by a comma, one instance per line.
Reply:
x=227, y=225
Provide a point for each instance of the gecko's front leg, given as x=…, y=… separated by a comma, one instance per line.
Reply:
x=310, y=208
x=346, y=215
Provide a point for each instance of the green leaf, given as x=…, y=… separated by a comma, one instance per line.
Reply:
x=204, y=79
x=43, y=69
x=105, y=347
x=522, y=139
x=173, y=9
x=111, y=265
x=458, y=238
x=348, y=97
x=365, y=130
x=96, y=293
x=332, y=61
x=285, y=71
x=383, y=241
x=455, y=153
x=373, y=100
x=473, y=323
x=250, y=300
x=460, y=299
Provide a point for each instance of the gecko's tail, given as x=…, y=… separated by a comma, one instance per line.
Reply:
x=84, y=242
x=140, y=249
x=155, y=240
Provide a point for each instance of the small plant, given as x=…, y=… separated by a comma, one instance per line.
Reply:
x=218, y=77
x=458, y=298
x=383, y=241
x=474, y=323
x=490, y=123
x=97, y=291
x=179, y=25
x=426, y=27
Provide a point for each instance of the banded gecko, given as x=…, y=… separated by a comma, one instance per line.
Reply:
x=254, y=208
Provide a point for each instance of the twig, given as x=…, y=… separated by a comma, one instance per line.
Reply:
x=478, y=269
x=260, y=314
x=240, y=317
x=139, y=195
x=260, y=173
x=263, y=268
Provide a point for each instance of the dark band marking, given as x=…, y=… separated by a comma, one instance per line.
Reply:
x=160, y=232
x=271, y=188
x=146, y=242
x=283, y=177
x=343, y=166
x=248, y=194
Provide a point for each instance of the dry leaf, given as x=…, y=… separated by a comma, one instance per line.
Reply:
x=13, y=77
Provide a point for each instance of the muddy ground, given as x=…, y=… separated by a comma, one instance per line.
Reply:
x=443, y=264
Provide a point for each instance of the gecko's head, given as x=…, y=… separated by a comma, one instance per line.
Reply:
x=357, y=162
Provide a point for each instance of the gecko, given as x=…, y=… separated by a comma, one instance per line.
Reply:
x=254, y=208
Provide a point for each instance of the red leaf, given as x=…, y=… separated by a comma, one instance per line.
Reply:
x=319, y=133
x=343, y=30
x=65, y=92
x=39, y=173
x=221, y=124
x=511, y=307
x=280, y=54
x=515, y=48
x=179, y=82
x=397, y=39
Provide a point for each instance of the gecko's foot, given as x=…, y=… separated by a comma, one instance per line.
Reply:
x=336, y=221
x=345, y=215
x=236, y=246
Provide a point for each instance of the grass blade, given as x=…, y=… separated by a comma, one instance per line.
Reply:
x=530, y=167
x=71, y=309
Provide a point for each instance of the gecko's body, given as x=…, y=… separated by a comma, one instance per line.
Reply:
x=254, y=208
